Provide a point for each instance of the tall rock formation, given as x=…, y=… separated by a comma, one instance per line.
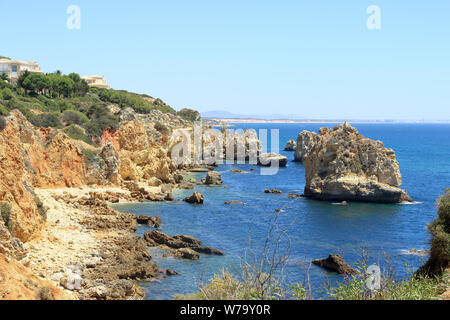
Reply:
x=305, y=141
x=343, y=165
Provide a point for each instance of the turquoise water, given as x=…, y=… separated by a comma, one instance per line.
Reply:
x=315, y=228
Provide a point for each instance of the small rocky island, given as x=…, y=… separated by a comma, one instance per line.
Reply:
x=343, y=165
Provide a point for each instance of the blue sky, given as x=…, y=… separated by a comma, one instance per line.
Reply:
x=315, y=59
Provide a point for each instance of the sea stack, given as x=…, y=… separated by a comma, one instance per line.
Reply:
x=343, y=165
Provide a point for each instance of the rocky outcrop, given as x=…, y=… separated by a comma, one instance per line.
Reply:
x=272, y=159
x=196, y=198
x=305, y=142
x=213, y=178
x=140, y=157
x=103, y=169
x=183, y=245
x=335, y=263
x=291, y=145
x=343, y=165
x=152, y=222
x=273, y=191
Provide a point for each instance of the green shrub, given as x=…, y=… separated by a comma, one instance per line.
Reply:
x=64, y=105
x=2, y=123
x=74, y=117
x=6, y=94
x=91, y=155
x=5, y=211
x=161, y=127
x=45, y=120
x=440, y=243
x=3, y=111
x=131, y=100
x=77, y=133
x=189, y=114
x=40, y=206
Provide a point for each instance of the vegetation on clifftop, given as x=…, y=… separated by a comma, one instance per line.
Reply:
x=66, y=101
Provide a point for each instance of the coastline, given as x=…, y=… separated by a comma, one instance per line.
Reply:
x=72, y=238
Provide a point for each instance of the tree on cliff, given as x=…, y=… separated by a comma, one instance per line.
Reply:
x=189, y=114
x=440, y=243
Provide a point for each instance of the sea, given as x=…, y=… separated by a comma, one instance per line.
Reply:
x=303, y=229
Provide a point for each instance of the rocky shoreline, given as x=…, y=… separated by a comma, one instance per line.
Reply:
x=90, y=251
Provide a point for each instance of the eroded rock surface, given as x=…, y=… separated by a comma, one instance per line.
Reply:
x=335, y=263
x=343, y=165
x=291, y=145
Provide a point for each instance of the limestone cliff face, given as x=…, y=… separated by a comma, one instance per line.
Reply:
x=341, y=164
x=141, y=157
x=16, y=178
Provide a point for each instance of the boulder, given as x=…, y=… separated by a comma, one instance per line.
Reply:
x=335, y=263
x=196, y=198
x=213, y=178
x=266, y=160
x=291, y=145
x=169, y=197
x=170, y=272
x=343, y=165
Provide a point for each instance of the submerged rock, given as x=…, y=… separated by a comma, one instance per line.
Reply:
x=291, y=145
x=238, y=171
x=234, y=202
x=343, y=165
x=335, y=263
x=274, y=191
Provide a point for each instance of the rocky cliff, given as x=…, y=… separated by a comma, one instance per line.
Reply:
x=47, y=158
x=343, y=165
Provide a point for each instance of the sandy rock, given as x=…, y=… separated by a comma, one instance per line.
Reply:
x=345, y=166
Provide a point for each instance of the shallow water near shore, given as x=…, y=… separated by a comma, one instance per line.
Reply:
x=315, y=228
